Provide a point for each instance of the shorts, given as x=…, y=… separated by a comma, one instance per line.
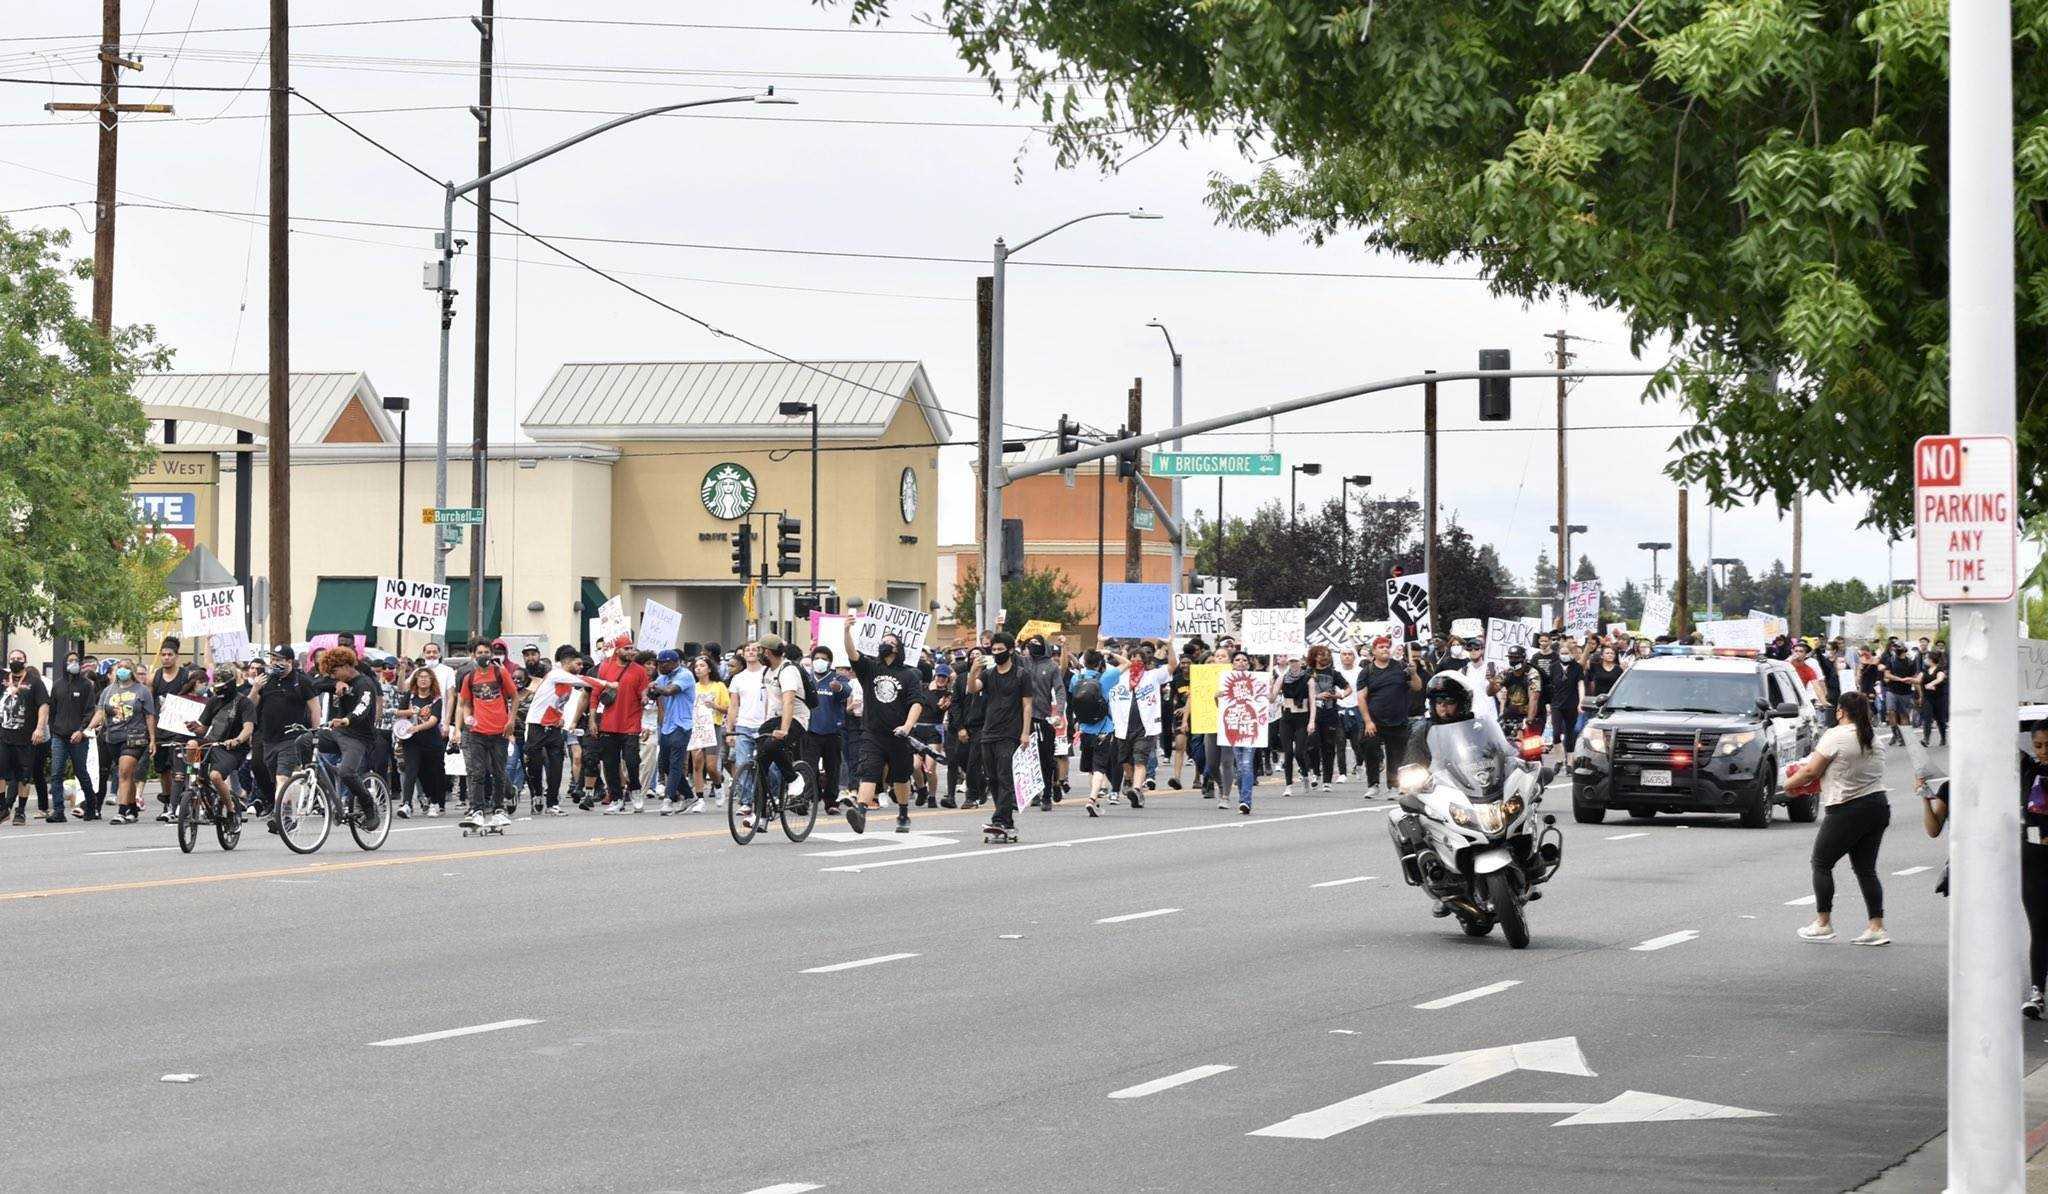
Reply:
x=884, y=760
x=1141, y=750
x=1099, y=755
x=170, y=757
x=134, y=748
x=221, y=759
x=17, y=762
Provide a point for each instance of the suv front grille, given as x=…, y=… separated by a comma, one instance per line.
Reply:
x=1655, y=748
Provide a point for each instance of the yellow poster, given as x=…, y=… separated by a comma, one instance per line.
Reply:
x=1038, y=626
x=1203, y=679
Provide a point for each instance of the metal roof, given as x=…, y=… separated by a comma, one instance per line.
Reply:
x=728, y=399
x=242, y=401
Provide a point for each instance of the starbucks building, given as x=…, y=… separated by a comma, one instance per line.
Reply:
x=630, y=479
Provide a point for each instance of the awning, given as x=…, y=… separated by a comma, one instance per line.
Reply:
x=592, y=598
x=341, y=605
x=458, y=610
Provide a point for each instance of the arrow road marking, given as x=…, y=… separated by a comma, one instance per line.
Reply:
x=1801, y=902
x=1456, y=1071
x=1666, y=941
x=1622, y=837
x=1170, y=1081
x=1467, y=996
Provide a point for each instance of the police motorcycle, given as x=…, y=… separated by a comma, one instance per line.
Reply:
x=1467, y=831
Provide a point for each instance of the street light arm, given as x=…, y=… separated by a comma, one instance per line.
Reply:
x=1175, y=352
x=456, y=191
x=1093, y=215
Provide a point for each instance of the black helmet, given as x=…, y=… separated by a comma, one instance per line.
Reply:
x=1517, y=656
x=1450, y=686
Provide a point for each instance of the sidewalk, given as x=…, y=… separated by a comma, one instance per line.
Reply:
x=1926, y=1168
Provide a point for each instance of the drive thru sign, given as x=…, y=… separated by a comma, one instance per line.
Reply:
x=1965, y=513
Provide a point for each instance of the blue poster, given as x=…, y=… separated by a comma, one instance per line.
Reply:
x=1136, y=611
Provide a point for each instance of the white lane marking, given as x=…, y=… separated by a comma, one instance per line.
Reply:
x=130, y=850
x=446, y=1033
x=1170, y=1081
x=788, y=1188
x=1117, y=920
x=1622, y=837
x=1467, y=996
x=39, y=837
x=837, y=966
x=1913, y=870
x=1802, y=901
x=1666, y=941
x=901, y=841
x=1342, y=882
x=1010, y=851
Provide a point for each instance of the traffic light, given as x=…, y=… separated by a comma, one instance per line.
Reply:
x=743, y=551
x=789, y=545
x=1126, y=461
x=1013, y=549
x=1070, y=436
x=1493, y=391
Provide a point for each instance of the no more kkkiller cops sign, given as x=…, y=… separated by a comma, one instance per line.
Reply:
x=1964, y=515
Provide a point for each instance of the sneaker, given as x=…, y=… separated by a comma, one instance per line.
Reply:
x=2031, y=1009
x=795, y=787
x=1814, y=932
x=639, y=804
x=499, y=820
x=1174, y=784
x=612, y=810
x=746, y=816
x=1111, y=798
x=434, y=811
x=1092, y=810
x=1872, y=937
x=670, y=806
x=404, y=812
x=856, y=816
x=162, y=818
x=903, y=824
x=472, y=820
x=1151, y=785
x=1137, y=801
x=696, y=806
x=1245, y=809
x=369, y=818
x=537, y=808
x=1288, y=790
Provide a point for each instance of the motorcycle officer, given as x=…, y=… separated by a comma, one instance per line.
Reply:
x=1450, y=704
x=1521, y=694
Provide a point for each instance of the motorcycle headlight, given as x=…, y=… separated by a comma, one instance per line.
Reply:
x=1594, y=740
x=1490, y=817
x=1511, y=808
x=1413, y=778
x=1730, y=743
x=1463, y=814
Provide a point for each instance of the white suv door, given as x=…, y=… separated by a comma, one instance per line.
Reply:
x=1792, y=734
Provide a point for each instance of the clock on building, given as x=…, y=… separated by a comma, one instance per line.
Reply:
x=906, y=495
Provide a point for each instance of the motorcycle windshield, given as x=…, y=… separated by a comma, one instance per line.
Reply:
x=1470, y=756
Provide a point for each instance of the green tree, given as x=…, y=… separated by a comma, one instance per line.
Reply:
x=1544, y=578
x=1585, y=570
x=1759, y=181
x=1041, y=594
x=1629, y=602
x=74, y=561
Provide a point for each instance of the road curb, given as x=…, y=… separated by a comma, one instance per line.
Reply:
x=1926, y=1167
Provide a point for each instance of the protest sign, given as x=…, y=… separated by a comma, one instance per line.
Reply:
x=659, y=626
x=829, y=631
x=1773, y=624
x=1273, y=632
x=175, y=712
x=1203, y=682
x=1657, y=611
x=1242, y=700
x=611, y=621
x=415, y=605
x=1038, y=626
x=1025, y=772
x=1582, y=608
x=1503, y=635
x=1200, y=615
x=1744, y=633
x=1328, y=620
x=1467, y=628
x=213, y=611
x=1136, y=611
x=880, y=618
x=1408, y=604
x=231, y=646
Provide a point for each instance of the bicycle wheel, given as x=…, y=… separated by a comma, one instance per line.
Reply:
x=800, y=812
x=741, y=832
x=188, y=822
x=380, y=800
x=305, y=815
x=227, y=824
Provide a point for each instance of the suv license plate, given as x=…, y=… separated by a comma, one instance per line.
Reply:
x=1654, y=779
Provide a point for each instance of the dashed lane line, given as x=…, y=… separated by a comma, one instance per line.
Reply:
x=1170, y=1081
x=1011, y=850
x=1665, y=942
x=1436, y=1005
x=1117, y=920
x=1344, y=882
x=857, y=964
x=1912, y=870
x=1802, y=901
x=1622, y=837
x=448, y=1033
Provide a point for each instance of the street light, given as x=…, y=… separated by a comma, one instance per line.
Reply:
x=1564, y=566
x=1344, y=509
x=400, y=407
x=992, y=434
x=1294, y=471
x=1656, y=579
x=1713, y=595
x=792, y=410
x=1179, y=510
x=440, y=277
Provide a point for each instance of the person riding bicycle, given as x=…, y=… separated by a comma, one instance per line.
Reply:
x=352, y=714
x=226, y=726
x=781, y=737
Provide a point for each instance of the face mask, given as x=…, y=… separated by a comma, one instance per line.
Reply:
x=276, y=669
x=483, y=660
x=15, y=666
x=819, y=667
x=123, y=674
x=71, y=669
x=888, y=651
x=1038, y=650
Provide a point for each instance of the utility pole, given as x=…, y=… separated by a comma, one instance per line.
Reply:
x=1792, y=604
x=984, y=322
x=280, y=433
x=1429, y=491
x=1681, y=619
x=1986, y=1128
x=1564, y=543
x=480, y=396
x=1134, y=539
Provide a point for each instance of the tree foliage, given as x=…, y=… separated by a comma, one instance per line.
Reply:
x=73, y=560
x=1760, y=181
x=1041, y=594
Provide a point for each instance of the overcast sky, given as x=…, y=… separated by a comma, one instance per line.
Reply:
x=894, y=149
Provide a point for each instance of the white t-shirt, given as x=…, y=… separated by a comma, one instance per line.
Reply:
x=557, y=691
x=445, y=677
x=750, y=710
x=784, y=679
x=1852, y=771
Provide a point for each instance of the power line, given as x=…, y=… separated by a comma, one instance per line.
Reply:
x=87, y=83
x=296, y=27
x=94, y=37
x=839, y=120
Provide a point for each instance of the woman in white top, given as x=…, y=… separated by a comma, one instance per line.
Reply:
x=1849, y=763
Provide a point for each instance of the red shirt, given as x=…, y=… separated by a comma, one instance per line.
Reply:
x=1806, y=672
x=624, y=715
x=489, y=691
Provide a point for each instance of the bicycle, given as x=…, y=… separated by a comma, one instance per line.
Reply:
x=225, y=815
x=307, y=802
x=771, y=799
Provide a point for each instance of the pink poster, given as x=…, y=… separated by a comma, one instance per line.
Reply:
x=1241, y=702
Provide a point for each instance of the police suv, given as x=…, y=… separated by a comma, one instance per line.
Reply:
x=1696, y=731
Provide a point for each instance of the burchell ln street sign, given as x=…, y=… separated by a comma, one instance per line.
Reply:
x=1965, y=517
x=472, y=516
x=1216, y=464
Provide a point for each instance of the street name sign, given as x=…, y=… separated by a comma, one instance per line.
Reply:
x=1216, y=464
x=1966, y=517
x=466, y=516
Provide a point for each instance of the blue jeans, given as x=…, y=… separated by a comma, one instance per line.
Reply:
x=515, y=765
x=743, y=764
x=675, y=762
x=1245, y=777
x=61, y=750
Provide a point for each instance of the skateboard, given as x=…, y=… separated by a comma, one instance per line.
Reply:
x=993, y=834
x=484, y=831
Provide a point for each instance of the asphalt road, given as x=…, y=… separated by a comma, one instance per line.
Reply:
x=689, y=1023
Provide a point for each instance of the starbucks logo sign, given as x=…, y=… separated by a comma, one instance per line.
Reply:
x=906, y=495
x=727, y=491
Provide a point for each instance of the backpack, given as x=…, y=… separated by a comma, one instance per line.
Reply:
x=1087, y=701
